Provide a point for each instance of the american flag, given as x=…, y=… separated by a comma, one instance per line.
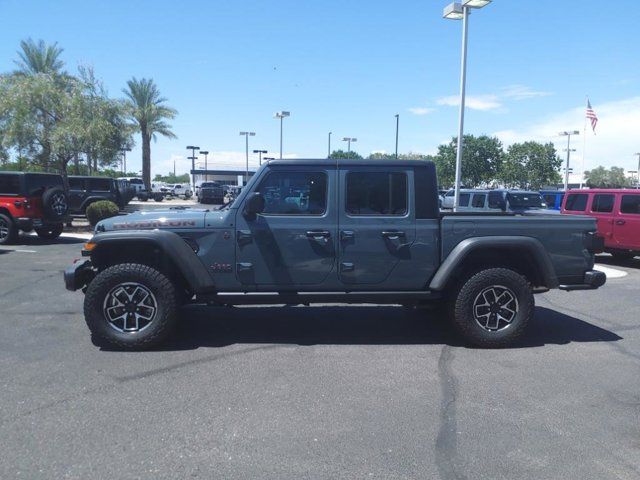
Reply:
x=591, y=115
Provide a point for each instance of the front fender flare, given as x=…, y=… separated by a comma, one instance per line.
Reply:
x=471, y=245
x=171, y=245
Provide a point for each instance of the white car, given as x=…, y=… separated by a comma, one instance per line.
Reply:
x=182, y=190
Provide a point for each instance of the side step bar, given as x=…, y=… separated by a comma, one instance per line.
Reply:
x=306, y=298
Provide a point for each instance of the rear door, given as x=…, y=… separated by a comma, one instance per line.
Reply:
x=626, y=228
x=602, y=209
x=377, y=224
x=77, y=193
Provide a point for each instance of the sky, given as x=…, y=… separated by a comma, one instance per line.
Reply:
x=348, y=67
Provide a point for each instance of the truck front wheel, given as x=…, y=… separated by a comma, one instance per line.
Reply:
x=493, y=308
x=130, y=306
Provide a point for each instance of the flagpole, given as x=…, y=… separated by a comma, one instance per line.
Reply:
x=584, y=143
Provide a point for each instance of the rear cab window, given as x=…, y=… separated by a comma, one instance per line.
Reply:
x=630, y=204
x=576, y=202
x=36, y=184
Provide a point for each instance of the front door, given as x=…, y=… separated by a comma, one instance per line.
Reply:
x=376, y=224
x=291, y=245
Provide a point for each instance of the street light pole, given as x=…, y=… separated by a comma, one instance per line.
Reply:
x=281, y=116
x=260, y=152
x=246, y=138
x=397, y=128
x=460, y=11
x=349, y=140
x=329, y=147
x=206, y=164
x=193, y=157
x=638, y=154
x=568, y=149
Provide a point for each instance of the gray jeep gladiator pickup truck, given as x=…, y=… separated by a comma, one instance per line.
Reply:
x=315, y=231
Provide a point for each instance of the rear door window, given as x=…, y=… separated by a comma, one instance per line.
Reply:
x=630, y=204
x=100, y=184
x=464, y=200
x=576, y=202
x=478, y=200
x=603, y=203
x=9, y=184
x=377, y=193
x=550, y=199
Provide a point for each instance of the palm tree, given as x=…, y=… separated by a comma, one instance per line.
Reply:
x=38, y=57
x=147, y=111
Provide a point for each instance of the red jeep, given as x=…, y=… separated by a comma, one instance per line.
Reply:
x=617, y=212
x=31, y=201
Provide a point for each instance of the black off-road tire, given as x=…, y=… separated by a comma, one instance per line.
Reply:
x=9, y=233
x=472, y=294
x=159, y=328
x=50, y=232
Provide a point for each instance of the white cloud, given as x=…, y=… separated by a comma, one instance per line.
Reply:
x=522, y=92
x=421, y=110
x=613, y=145
x=474, y=102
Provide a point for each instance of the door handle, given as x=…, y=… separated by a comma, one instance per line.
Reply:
x=620, y=222
x=318, y=234
x=244, y=266
x=393, y=235
x=347, y=267
x=244, y=237
x=347, y=235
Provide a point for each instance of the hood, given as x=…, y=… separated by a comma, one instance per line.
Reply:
x=171, y=219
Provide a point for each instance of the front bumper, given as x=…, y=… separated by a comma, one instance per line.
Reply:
x=592, y=279
x=78, y=275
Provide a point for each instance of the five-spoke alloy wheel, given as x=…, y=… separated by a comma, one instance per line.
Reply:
x=130, y=306
x=493, y=307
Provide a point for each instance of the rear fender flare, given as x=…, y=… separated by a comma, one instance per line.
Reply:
x=468, y=246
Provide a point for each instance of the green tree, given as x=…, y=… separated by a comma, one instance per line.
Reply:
x=530, y=165
x=481, y=161
x=49, y=118
x=39, y=58
x=171, y=178
x=342, y=154
x=600, y=177
x=146, y=107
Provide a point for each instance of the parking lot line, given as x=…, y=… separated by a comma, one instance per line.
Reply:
x=610, y=272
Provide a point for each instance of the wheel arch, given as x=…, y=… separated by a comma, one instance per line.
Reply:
x=525, y=255
x=163, y=250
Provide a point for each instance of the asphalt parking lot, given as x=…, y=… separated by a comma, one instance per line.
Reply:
x=315, y=392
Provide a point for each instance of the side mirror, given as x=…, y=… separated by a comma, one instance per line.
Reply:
x=254, y=205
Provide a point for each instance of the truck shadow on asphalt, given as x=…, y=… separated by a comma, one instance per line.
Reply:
x=367, y=325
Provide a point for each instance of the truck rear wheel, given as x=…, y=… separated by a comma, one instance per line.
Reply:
x=493, y=308
x=130, y=306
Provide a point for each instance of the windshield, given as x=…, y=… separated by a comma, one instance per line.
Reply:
x=526, y=200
